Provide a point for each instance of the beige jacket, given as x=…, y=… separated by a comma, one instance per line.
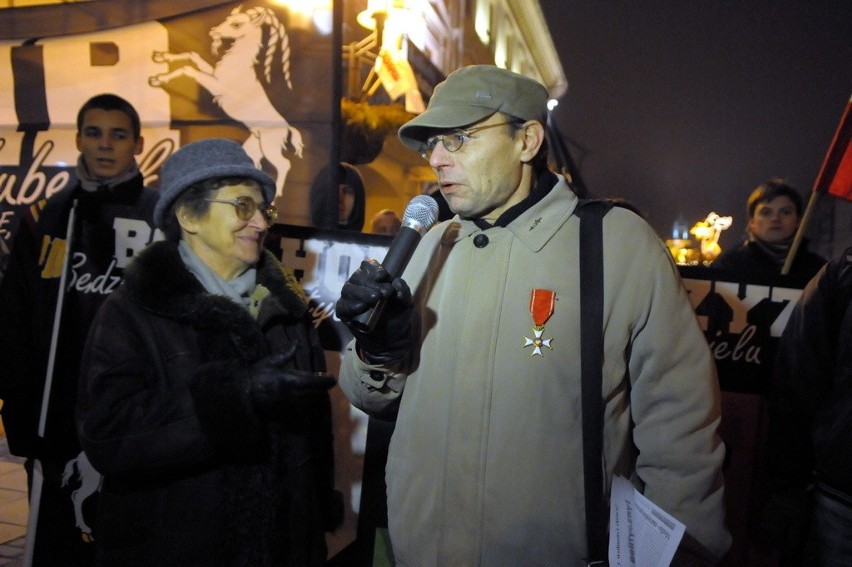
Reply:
x=485, y=464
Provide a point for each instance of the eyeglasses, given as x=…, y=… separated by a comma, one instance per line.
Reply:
x=454, y=140
x=246, y=207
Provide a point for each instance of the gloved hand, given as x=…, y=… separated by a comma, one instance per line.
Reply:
x=390, y=340
x=270, y=384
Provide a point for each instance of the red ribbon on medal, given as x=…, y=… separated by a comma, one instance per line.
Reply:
x=542, y=302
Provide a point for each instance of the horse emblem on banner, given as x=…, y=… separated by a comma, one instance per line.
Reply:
x=249, y=40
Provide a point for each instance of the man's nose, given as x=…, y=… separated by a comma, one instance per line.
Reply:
x=440, y=156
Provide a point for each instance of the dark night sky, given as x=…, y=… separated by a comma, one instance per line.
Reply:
x=683, y=107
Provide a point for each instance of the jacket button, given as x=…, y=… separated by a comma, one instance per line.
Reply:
x=480, y=241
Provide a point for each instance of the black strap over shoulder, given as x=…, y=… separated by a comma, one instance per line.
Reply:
x=591, y=213
x=842, y=305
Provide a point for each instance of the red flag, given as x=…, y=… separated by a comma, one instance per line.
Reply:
x=835, y=176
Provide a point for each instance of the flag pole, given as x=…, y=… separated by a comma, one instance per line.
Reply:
x=38, y=474
x=834, y=178
x=800, y=232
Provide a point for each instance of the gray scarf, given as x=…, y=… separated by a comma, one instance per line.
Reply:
x=239, y=289
x=91, y=184
x=777, y=251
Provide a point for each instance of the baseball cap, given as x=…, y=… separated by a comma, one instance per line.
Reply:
x=472, y=93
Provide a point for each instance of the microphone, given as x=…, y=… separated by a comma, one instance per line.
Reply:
x=420, y=214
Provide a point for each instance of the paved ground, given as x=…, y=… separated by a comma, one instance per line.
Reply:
x=13, y=507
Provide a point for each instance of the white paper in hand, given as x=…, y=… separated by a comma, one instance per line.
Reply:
x=640, y=532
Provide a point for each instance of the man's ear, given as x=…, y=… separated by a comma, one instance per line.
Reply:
x=533, y=138
x=140, y=146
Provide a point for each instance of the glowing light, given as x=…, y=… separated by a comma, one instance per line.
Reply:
x=686, y=252
x=391, y=20
x=404, y=12
x=303, y=13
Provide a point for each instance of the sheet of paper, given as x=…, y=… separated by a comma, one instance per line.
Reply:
x=640, y=532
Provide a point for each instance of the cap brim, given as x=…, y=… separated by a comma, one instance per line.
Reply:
x=414, y=132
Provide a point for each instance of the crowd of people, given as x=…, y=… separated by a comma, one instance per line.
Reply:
x=522, y=375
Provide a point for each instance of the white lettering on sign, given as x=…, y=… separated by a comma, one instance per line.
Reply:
x=103, y=284
x=131, y=236
x=5, y=219
x=326, y=264
x=323, y=266
x=741, y=350
x=35, y=183
x=741, y=299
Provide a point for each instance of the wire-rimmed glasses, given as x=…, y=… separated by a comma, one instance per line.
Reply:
x=246, y=207
x=453, y=141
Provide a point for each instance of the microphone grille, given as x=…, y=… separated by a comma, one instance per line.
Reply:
x=423, y=210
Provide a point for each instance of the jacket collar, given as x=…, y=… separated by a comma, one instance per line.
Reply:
x=55, y=209
x=159, y=281
x=534, y=227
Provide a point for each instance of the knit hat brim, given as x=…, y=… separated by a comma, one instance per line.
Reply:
x=206, y=159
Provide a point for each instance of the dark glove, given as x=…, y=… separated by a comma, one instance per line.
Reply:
x=390, y=340
x=271, y=385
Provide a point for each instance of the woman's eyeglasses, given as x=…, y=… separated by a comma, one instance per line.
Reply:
x=454, y=140
x=246, y=207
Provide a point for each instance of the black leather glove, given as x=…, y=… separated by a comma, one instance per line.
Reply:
x=390, y=340
x=271, y=385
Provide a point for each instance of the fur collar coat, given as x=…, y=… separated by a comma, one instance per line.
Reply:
x=193, y=473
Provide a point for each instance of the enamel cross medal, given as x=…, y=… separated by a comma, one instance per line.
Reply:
x=541, y=308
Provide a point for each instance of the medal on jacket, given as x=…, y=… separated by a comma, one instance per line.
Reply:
x=541, y=308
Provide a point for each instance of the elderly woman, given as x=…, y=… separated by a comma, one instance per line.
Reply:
x=774, y=213
x=203, y=401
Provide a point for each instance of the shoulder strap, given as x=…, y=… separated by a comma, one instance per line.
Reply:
x=843, y=306
x=591, y=215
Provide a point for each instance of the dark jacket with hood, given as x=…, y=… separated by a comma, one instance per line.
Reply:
x=193, y=474
x=324, y=198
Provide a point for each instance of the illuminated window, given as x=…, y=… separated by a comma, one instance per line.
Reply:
x=29, y=3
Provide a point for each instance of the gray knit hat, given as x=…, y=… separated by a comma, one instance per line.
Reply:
x=472, y=93
x=206, y=159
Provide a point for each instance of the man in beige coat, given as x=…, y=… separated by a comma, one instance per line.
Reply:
x=478, y=360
